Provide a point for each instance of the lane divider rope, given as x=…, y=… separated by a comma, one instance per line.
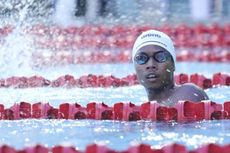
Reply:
x=199, y=35
x=141, y=148
x=94, y=81
x=111, y=44
x=183, y=111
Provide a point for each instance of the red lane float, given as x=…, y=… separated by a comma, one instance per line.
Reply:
x=184, y=111
x=124, y=36
x=73, y=45
x=90, y=80
x=141, y=148
x=50, y=36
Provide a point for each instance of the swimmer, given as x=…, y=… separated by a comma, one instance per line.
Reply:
x=154, y=60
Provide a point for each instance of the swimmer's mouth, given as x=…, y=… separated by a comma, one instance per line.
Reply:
x=151, y=76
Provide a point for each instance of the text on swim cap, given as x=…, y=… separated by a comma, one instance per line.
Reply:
x=151, y=35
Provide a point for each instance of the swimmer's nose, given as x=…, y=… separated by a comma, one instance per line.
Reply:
x=151, y=64
x=151, y=67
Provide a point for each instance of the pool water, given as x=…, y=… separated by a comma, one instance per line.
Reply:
x=117, y=69
x=115, y=134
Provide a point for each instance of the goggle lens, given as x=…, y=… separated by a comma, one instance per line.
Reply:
x=160, y=57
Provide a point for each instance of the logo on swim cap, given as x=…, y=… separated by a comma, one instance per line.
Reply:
x=151, y=35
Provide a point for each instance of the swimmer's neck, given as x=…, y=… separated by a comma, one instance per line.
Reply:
x=160, y=94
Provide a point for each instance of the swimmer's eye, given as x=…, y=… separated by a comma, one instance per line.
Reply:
x=160, y=57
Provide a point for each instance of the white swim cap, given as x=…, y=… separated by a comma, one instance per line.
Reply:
x=154, y=37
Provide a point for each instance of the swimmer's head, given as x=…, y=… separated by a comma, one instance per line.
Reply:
x=154, y=60
x=154, y=37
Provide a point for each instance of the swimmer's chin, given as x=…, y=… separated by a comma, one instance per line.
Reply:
x=155, y=88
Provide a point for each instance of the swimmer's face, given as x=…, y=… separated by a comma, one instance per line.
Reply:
x=154, y=72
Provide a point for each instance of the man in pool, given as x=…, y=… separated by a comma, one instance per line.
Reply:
x=154, y=60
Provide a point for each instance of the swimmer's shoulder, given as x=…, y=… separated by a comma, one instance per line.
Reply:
x=192, y=92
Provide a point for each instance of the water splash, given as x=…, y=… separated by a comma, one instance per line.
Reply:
x=16, y=51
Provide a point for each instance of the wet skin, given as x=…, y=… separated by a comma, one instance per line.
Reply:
x=158, y=80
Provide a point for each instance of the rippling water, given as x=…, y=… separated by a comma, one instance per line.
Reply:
x=118, y=70
x=56, y=96
x=115, y=134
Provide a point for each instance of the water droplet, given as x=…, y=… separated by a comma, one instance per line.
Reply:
x=195, y=94
x=27, y=139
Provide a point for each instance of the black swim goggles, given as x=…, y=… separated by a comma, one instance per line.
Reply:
x=160, y=57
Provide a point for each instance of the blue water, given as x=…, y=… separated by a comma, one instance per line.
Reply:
x=56, y=96
x=115, y=134
x=118, y=70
